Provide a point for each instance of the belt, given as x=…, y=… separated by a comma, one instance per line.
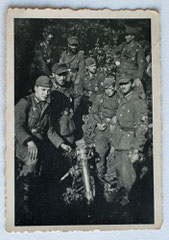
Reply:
x=127, y=129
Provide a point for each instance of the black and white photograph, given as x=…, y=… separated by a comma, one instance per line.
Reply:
x=83, y=119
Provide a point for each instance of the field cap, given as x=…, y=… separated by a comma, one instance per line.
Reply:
x=124, y=78
x=72, y=40
x=109, y=81
x=43, y=81
x=59, y=68
x=89, y=61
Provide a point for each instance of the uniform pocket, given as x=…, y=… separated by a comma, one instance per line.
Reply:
x=34, y=116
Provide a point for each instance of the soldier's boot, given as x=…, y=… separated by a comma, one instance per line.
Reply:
x=125, y=199
x=109, y=192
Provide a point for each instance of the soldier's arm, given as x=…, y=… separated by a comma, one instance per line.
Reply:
x=141, y=63
x=81, y=64
x=54, y=137
x=62, y=58
x=101, y=79
x=21, y=128
x=40, y=61
x=78, y=92
x=57, y=141
x=141, y=124
x=94, y=113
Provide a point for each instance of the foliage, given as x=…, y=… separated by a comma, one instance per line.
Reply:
x=96, y=37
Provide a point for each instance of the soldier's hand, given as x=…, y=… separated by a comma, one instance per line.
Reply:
x=101, y=126
x=66, y=147
x=32, y=150
x=133, y=155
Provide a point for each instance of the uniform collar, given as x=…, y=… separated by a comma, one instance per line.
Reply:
x=71, y=54
x=107, y=97
x=130, y=96
x=38, y=101
x=58, y=87
x=93, y=76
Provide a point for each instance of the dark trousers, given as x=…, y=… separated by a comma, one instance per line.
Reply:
x=103, y=144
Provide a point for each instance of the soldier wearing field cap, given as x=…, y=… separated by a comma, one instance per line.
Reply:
x=103, y=116
x=92, y=84
x=71, y=90
x=42, y=60
x=74, y=59
x=33, y=136
x=129, y=134
x=131, y=58
x=63, y=99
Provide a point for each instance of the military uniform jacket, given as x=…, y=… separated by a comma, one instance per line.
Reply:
x=74, y=62
x=32, y=122
x=92, y=86
x=131, y=123
x=131, y=59
x=62, y=110
x=104, y=108
x=42, y=58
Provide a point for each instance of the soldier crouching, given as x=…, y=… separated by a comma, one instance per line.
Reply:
x=34, y=139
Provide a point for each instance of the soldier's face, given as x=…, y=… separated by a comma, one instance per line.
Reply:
x=129, y=38
x=110, y=91
x=92, y=68
x=42, y=93
x=126, y=87
x=73, y=47
x=61, y=79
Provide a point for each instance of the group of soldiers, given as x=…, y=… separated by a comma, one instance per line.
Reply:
x=71, y=97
